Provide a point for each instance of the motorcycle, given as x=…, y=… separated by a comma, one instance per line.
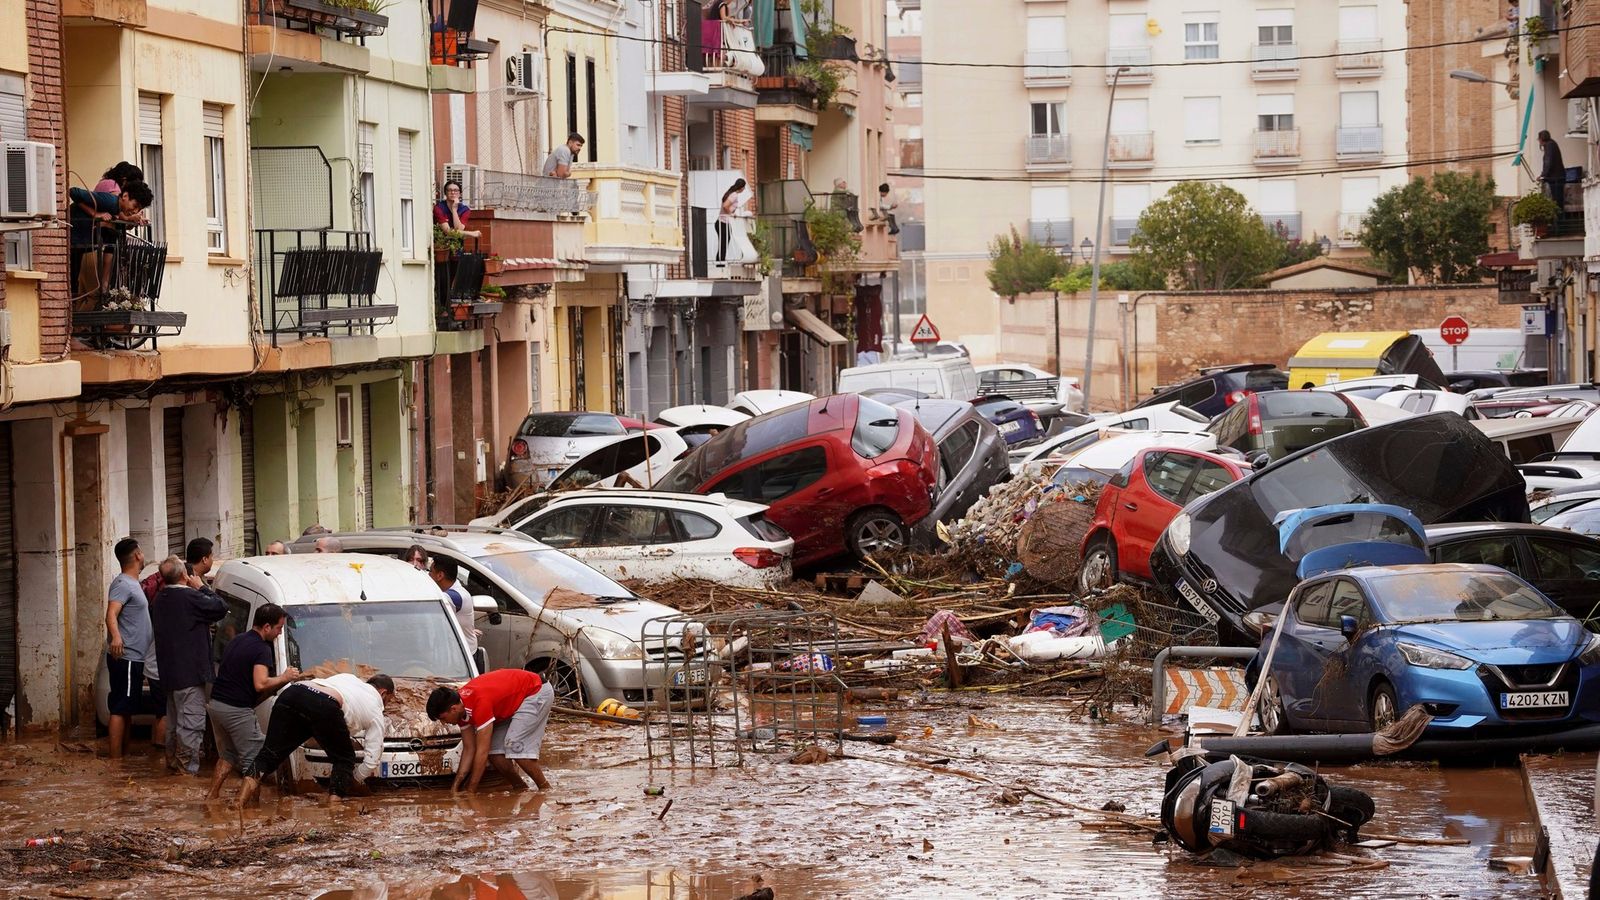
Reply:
x=1264, y=810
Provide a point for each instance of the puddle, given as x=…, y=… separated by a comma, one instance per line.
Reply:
x=873, y=825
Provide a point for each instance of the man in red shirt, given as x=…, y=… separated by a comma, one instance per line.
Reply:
x=501, y=716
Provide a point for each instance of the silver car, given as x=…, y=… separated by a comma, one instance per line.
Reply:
x=972, y=458
x=547, y=442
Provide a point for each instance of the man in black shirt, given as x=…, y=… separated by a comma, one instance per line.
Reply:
x=1553, y=172
x=183, y=613
x=243, y=679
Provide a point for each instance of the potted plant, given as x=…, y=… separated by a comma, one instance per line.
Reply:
x=1537, y=210
x=493, y=293
x=445, y=243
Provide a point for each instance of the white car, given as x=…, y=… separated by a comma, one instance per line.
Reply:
x=1374, y=386
x=1101, y=460
x=635, y=460
x=698, y=423
x=657, y=536
x=755, y=403
x=1030, y=385
x=1419, y=402
x=1564, y=500
x=1158, y=417
x=1561, y=473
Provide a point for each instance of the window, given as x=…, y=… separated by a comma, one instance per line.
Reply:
x=572, y=95
x=628, y=526
x=957, y=449
x=914, y=101
x=1358, y=23
x=1130, y=116
x=1312, y=605
x=1494, y=551
x=1047, y=33
x=150, y=160
x=1129, y=202
x=1047, y=117
x=1418, y=403
x=366, y=150
x=877, y=428
x=1208, y=477
x=216, y=182
x=1050, y=204
x=696, y=527
x=910, y=71
x=1275, y=27
x=1564, y=560
x=1347, y=601
x=1166, y=473
x=1232, y=426
x=1200, y=36
x=1128, y=31
x=406, y=175
x=1357, y=194
x=592, y=136
x=1358, y=109
x=777, y=477
x=344, y=417
x=1275, y=112
x=1202, y=120
x=1276, y=196
x=14, y=127
x=569, y=527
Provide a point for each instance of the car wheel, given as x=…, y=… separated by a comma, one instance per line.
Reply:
x=1274, y=718
x=1099, y=569
x=569, y=690
x=875, y=531
x=1384, y=708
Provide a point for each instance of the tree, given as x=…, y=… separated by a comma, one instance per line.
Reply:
x=1018, y=266
x=1433, y=231
x=1204, y=237
x=1125, y=275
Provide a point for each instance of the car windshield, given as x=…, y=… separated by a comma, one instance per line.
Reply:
x=570, y=426
x=749, y=438
x=1445, y=596
x=1080, y=475
x=537, y=572
x=877, y=426
x=1297, y=404
x=409, y=638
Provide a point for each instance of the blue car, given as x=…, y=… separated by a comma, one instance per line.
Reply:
x=1017, y=423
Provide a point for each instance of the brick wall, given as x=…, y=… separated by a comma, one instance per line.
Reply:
x=47, y=121
x=1446, y=117
x=736, y=131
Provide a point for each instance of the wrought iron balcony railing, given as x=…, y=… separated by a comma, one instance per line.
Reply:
x=313, y=281
x=119, y=283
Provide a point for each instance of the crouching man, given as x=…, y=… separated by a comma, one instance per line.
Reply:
x=502, y=716
x=333, y=710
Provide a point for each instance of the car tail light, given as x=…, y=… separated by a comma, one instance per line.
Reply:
x=1035, y=417
x=519, y=449
x=758, y=557
x=888, y=469
x=1237, y=396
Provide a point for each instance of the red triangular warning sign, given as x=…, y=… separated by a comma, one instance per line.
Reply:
x=924, y=333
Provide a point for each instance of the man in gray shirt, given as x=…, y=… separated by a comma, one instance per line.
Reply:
x=559, y=163
x=128, y=642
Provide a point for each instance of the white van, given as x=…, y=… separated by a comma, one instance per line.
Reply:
x=948, y=378
x=361, y=614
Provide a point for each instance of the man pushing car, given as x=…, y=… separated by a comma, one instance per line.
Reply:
x=502, y=716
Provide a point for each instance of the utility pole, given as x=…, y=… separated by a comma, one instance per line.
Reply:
x=1099, y=224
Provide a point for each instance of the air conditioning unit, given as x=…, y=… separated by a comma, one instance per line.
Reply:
x=27, y=180
x=470, y=178
x=525, y=73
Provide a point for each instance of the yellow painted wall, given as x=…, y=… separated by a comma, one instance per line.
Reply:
x=13, y=36
x=583, y=46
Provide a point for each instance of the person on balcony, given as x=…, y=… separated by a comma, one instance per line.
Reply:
x=559, y=163
x=450, y=213
x=733, y=225
x=90, y=209
x=886, y=208
x=1553, y=173
x=112, y=180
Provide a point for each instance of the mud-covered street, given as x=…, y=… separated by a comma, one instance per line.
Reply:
x=931, y=815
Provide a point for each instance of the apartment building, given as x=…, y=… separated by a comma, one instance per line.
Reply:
x=1299, y=106
x=905, y=176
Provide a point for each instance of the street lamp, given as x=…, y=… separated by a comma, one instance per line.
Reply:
x=1099, y=223
x=1086, y=248
x=1473, y=77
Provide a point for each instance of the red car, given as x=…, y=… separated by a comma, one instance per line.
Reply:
x=1138, y=502
x=841, y=474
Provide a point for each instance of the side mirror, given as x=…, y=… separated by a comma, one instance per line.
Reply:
x=1257, y=459
x=484, y=604
x=1348, y=627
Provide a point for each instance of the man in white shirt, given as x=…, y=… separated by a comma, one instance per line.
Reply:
x=446, y=574
x=333, y=710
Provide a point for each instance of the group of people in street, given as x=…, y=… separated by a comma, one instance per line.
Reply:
x=160, y=654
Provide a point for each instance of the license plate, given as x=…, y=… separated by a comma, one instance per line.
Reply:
x=399, y=769
x=1222, y=817
x=1533, y=700
x=1010, y=427
x=688, y=676
x=1193, y=596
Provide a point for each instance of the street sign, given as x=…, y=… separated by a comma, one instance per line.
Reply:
x=1516, y=287
x=1454, y=330
x=924, y=333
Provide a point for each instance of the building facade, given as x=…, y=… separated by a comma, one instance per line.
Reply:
x=1299, y=106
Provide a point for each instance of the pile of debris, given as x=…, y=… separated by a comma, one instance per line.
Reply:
x=68, y=855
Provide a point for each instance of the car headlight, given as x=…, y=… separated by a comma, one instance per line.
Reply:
x=610, y=645
x=1591, y=651
x=1178, y=533
x=1429, y=658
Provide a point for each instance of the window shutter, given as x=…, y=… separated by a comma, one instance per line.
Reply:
x=366, y=137
x=213, y=120
x=407, y=144
x=150, y=119
x=13, y=109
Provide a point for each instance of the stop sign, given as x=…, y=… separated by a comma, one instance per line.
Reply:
x=1454, y=330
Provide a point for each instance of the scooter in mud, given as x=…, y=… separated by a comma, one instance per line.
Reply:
x=1257, y=808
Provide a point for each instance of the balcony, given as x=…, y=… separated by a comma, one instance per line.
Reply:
x=119, y=13
x=459, y=300
x=1285, y=224
x=338, y=20
x=782, y=206
x=1047, y=152
x=1047, y=68
x=635, y=218
x=784, y=93
x=1051, y=232
x=534, y=194
x=733, y=65
x=1358, y=59
x=1275, y=62
x=1122, y=232
x=121, y=282
x=740, y=260
x=311, y=36
x=1131, y=150
x=911, y=153
x=314, y=281
x=1278, y=148
x=1358, y=143
x=1137, y=59
x=1350, y=225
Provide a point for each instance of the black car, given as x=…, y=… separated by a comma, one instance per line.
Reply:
x=1562, y=564
x=1463, y=382
x=1214, y=389
x=1221, y=554
x=1279, y=423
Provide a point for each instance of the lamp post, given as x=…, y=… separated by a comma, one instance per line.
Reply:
x=1470, y=76
x=1099, y=223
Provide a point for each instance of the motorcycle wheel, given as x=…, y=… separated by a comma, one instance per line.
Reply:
x=1350, y=805
x=1282, y=833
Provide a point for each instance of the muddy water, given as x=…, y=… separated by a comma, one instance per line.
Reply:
x=870, y=826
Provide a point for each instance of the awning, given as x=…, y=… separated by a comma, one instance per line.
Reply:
x=818, y=330
x=800, y=135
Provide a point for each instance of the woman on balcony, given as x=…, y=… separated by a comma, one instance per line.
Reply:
x=733, y=225
x=450, y=213
x=716, y=13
